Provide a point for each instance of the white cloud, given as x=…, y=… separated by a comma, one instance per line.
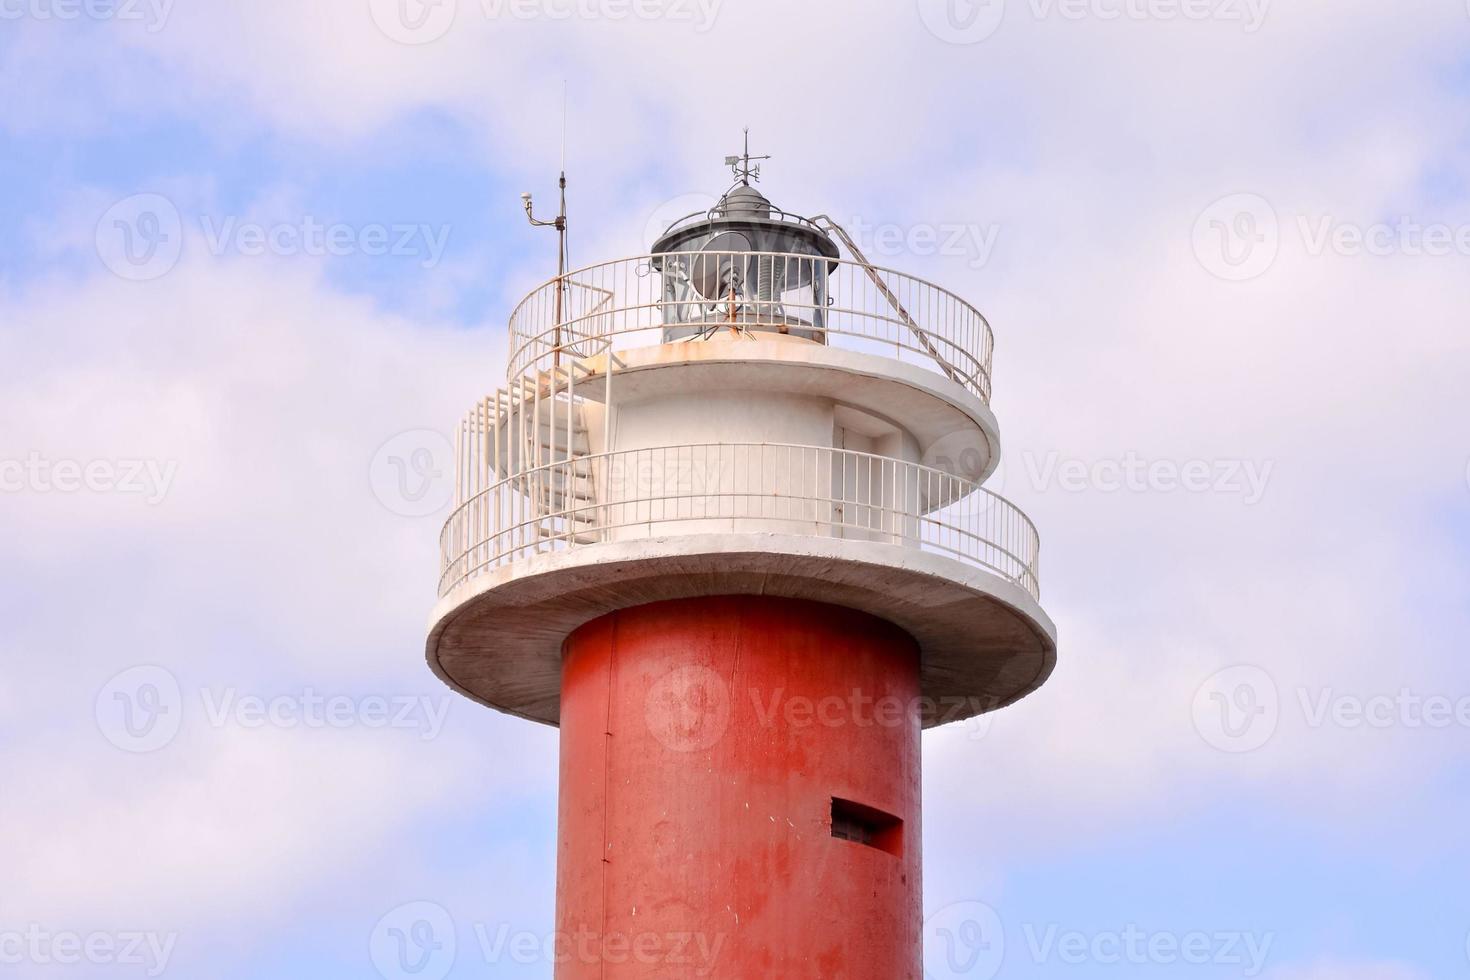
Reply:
x=211, y=826
x=1093, y=146
x=269, y=568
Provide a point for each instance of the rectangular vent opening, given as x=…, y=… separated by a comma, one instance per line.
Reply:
x=868, y=826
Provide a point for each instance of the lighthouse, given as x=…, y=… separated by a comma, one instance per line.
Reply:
x=725, y=527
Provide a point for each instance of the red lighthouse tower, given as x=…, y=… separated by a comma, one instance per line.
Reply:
x=713, y=530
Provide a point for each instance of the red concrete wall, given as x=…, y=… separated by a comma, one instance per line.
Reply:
x=702, y=743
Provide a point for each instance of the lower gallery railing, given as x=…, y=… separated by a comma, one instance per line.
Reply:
x=748, y=487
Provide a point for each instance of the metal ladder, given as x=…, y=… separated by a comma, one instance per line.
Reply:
x=826, y=222
x=554, y=452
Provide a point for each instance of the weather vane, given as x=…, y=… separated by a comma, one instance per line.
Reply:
x=740, y=165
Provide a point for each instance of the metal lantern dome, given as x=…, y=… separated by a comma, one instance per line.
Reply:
x=747, y=264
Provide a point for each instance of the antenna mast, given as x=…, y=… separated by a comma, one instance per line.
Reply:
x=560, y=224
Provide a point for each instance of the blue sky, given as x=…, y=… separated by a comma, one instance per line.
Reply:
x=1099, y=155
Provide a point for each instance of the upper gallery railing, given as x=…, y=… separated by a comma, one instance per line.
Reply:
x=692, y=295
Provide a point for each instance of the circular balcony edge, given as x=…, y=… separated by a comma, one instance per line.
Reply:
x=943, y=415
x=985, y=642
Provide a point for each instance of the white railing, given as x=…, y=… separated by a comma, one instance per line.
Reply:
x=747, y=487
x=774, y=214
x=830, y=301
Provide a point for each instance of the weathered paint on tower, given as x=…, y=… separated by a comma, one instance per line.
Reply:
x=725, y=527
